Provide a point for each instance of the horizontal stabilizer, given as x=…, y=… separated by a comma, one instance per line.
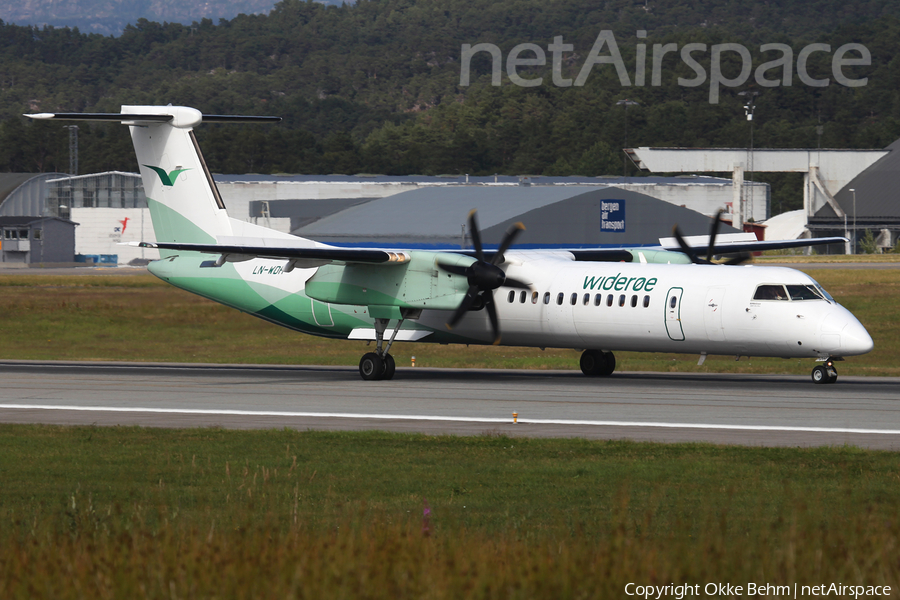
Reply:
x=194, y=117
x=101, y=117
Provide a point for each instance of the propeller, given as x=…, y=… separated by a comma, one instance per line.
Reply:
x=710, y=250
x=484, y=277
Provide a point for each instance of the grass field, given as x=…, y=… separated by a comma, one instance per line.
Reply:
x=139, y=318
x=129, y=512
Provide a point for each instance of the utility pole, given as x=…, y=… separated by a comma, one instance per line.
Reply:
x=749, y=107
x=73, y=148
x=626, y=103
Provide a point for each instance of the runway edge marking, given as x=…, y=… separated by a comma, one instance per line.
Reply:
x=386, y=417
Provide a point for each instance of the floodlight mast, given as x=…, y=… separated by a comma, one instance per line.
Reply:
x=749, y=108
x=626, y=103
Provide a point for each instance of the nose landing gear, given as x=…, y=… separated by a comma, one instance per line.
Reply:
x=825, y=373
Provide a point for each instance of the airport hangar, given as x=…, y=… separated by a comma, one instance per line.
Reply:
x=846, y=192
x=413, y=211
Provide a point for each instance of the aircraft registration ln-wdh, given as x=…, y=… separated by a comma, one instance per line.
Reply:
x=667, y=299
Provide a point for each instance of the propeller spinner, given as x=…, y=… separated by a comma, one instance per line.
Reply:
x=710, y=251
x=484, y=277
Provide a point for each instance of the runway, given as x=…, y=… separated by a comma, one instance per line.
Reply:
x=730, y=409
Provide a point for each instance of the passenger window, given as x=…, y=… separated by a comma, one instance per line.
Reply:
x=622, y=300
x=646, y=301
x=546, y=297
x=512, y=296
x=587, y=299
x=559, y=298
x=534, y=297
x=523, y=296
x=609, y=300
x=598, y=298
x=673, y=301
x=770, y=292
x=574, y=299
x=634, y=301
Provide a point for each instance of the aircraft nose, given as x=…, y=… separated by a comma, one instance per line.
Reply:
x=855, y=339
x=842, y=334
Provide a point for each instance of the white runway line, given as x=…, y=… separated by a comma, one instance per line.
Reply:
x=277, y=413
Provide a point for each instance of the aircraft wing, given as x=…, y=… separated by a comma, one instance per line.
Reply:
x=303, y=257
x=726, y=247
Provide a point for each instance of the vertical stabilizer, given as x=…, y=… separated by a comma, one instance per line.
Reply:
x=185, y=205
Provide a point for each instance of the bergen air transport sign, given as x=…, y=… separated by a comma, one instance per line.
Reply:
x=612, y=216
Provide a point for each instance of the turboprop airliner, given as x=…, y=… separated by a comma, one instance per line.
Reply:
x=670, y=299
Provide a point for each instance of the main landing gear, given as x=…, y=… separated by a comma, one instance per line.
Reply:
x=374, y=366
x=825, y=373
x=597, y=363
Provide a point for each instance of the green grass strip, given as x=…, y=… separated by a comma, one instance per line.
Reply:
x=131, y=512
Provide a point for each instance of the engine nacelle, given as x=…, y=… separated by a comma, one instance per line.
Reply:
x=416, y=284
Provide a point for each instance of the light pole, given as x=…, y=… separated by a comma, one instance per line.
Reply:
x=626, y=103
x=855, y=249
x=73, y=148
x=749, y=107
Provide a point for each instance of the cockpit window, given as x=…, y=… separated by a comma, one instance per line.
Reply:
x=825, y=294
x=804, y=292
x=770, y=292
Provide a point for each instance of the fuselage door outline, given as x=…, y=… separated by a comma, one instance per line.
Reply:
x=673, y=314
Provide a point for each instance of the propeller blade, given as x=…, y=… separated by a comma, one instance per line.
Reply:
x=453, y=269
x=484, y=277
x=492, y=315
x=684, y=245
x=739, y=259
x=514, y=230
x=713, y=231
x=464, y=306
x=476, y=235
x=515, y=283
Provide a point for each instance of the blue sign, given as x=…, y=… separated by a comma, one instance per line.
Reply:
x=612, y=216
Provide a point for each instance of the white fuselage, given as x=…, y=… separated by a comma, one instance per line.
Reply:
x=664, y=308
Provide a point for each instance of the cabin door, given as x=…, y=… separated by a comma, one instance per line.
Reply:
x=673, y=314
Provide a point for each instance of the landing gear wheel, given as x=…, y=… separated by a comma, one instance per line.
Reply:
x=371, y=367
x=596, y=363
x=389, y=367
x=592, y=363
x=609, y=364
x=823, y=374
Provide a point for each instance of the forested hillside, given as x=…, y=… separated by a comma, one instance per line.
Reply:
x=375, y=87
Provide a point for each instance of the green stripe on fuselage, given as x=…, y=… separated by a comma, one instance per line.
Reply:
x=223, y=284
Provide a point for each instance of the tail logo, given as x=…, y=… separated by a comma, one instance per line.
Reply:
x=168, y=179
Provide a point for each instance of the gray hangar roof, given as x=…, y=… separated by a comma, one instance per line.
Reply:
x=876, y=192
x=24, y=194
x=554, y=217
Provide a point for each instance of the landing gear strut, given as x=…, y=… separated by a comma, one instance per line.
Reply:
x=825, y=373
x=597, y=363
x=374, y=366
